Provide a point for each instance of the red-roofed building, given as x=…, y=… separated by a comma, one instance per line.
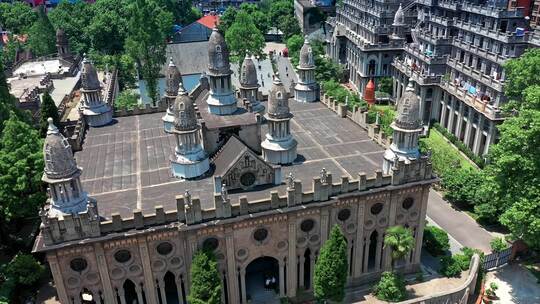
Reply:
x=199, y=30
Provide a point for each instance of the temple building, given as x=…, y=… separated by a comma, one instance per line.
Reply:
x=307, y=89
x=263, y=196
x=94, y=108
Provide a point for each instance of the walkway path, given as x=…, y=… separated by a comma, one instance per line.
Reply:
x=458, y=224
x=516, y=285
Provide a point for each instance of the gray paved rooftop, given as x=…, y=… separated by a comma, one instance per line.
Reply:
x=126, y=164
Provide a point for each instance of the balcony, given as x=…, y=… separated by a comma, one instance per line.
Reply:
x=426, y=2
x=450, y=5
x=497, y=35
x=489, y=111
x=469, y=47
x=476, y=74
x=366, y=45
x=441, y=20
x=425, y=58
x=492, y=11
x=421, y=79
x=432, y=39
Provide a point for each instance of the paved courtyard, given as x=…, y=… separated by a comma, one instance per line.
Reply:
x=126, y=164
x=516, y=285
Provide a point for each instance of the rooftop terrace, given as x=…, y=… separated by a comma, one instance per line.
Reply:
x=126, y=164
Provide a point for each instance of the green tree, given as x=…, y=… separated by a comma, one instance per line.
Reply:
x=227, y=19
x=73, y=18
x=108, y=27
x=17, y=16
x=400, y=240
x=42, y=36
x=124, y=63
x=7, y=101
x=436, y=240
x=243, y=36
x=331, y=268
x=281, y=15
x=259, y=18
x=183, y=11
x=498, y=244
x=385, y=85
x=391, y=288
x=24, y=270
x=521, y=73
x=21, y=167
x=10, y=51
x=48, y=109
x=126, y=100
x=149, y=27
x=205, y=279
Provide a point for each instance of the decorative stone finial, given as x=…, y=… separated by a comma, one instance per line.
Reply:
x=171, y=63
x=224, y=192
x=290, y=181
x=52, y=128
x=187, y=199
x=181, y=89
x=324, y=175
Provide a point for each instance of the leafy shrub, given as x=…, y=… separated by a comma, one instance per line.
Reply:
x=339, y=93
x=452, y=266
x=462, y=185
x=436, y=240
x=126, y=100
x=390, y=288
x=24, y=269
x=498, y=244
x=386, y=117
x=460, y=145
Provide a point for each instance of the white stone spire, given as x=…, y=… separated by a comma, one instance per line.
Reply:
x=189, y=159
x=62, y=175
x=172, y=79
x=279, y=147
x=407, y=128
x=95, y=110
x=306, y=90
x=249, y=84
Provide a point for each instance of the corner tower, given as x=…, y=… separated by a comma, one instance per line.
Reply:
x=62, y=45
x=189, y=159
x=96, y=112
x=407, y=128
x=172, y=80
x=249, y=84
x=62, y=175
x=306, y=88
x=221, y=100
x=279, y=147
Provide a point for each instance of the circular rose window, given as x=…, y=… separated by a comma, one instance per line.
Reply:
x=78, y=264
x=307, y=225
x=377, y=208
x=211, y=243
x=260, y=234
x=122, y=256
x=344, y=215
x=247, y=179
x=408, y=203
x=164, y=248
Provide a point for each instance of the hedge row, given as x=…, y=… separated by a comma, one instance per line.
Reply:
x=460, y=145
x=436, y=241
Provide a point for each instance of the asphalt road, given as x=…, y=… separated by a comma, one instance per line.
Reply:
x=465, y=230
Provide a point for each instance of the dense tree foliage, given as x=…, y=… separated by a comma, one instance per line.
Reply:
x=436, y=240
x=385, y=85
x=243, y=37
x=19, y=277
x=21, y=167
x=401, y=242
x=126, y=100
x=182, y=10
x=522, y=73
x=41, y=35
x=109, y=26
x=73, y=18
x=149, y=27
x=259, y=17
x=205, y=281
x=281, y=15
x=48, y=109
x=391, y=288
x=16, y=17
x=331, y=268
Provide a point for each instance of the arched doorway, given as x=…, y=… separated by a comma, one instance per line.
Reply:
x=307, y=269
x=170, y=289
x=372, y=250
x=130, y=294
x=262, y=280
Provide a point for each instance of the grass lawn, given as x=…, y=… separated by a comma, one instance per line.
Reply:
x=443, y=153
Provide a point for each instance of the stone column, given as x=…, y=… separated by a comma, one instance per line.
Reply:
x=301, y=272
x=291, y=269
x=366, y=254
x=140, y=295
x=489, y=138
x=161, y=286
x=324, y=225
x=178, y=282
x=478, y=137
x=151, y=295
x=359, y=244
x=468, y=129
x=243, y=284
x=443, y=109
x=460, y=120
x=122, y=295
x=232, y=278
x=451, y=115
x=281, y=279
x=378, y=255
x=108, y=293
x=57, y=276
x=421, y=224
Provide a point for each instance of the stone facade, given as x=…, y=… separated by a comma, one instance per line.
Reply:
x=119, y=265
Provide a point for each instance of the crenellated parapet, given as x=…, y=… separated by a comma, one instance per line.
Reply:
x=141, y=110
x=324, y=190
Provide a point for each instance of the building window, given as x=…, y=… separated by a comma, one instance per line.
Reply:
x=211, y=243
x=260, y=234
x=344, y=214
x=164, y=248
x=122, y=256
x=307, y=225
x=376, y=209
x=407, y=203
x=78, y=264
